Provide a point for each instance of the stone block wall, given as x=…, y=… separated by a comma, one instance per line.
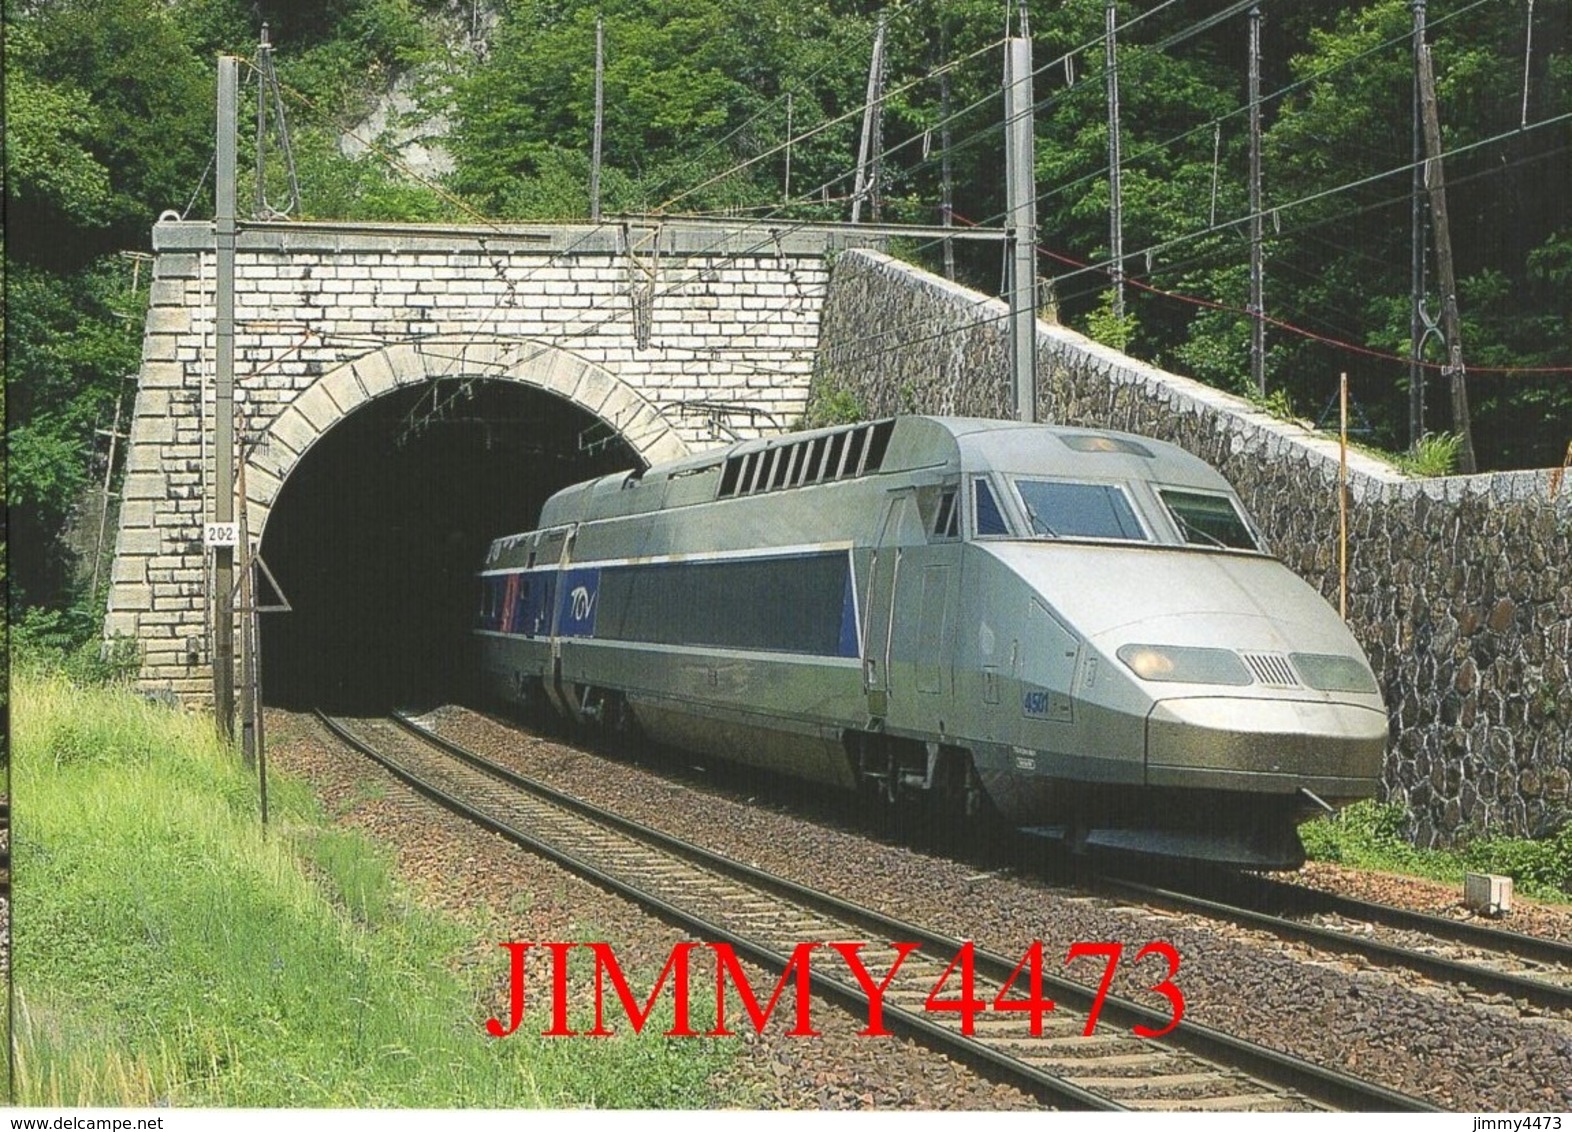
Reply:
x=1460, y=589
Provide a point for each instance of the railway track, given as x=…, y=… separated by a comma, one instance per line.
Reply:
x=764, y=917
x=1532, y=969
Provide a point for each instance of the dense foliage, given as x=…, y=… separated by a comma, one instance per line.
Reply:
x=109, y=108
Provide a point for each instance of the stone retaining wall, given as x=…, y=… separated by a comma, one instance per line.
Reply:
x=1460, y=589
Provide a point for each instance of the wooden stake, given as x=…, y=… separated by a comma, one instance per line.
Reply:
x=1556, y=474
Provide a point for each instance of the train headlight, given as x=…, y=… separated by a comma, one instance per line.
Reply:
x=1333, y=673
x=1177, y=664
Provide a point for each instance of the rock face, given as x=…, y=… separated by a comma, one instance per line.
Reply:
x=1459, y=589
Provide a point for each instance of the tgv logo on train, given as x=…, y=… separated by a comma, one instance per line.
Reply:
x=1076, y=633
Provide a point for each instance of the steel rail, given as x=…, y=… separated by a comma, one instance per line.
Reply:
x=1535, y=991
x=1040, y=1084
x=1320, y=1084
x=1539, y=949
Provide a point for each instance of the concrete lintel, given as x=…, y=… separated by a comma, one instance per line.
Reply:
x=167, y=320
x=723, y=239
x=144, y=485
x=662, y=446
x=120, y=623
x=277, y=456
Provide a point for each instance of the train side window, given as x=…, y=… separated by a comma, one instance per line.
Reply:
x=988, y=518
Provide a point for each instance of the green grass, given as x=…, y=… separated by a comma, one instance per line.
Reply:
x=169, y=953
x=1369, y=835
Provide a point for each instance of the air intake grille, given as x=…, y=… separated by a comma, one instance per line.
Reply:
x=1271, y=668
x=851, y=452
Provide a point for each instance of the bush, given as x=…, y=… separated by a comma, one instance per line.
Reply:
x=1434, y=455
x=1364, y=833
x=1542, y=867
x=66, y=641
x=1371, y=835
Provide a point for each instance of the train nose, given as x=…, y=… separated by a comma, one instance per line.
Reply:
x=1266, y=746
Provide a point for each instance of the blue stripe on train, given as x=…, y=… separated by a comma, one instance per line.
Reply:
x=574, y=596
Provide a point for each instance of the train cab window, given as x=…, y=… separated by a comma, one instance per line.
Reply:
x=989, y=519
x=947, y=518
x=1079, y=510
x=1208, y=520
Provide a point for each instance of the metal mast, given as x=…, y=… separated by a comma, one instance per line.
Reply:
x=1257, y=299
x=224, y=397
x=1020, y=189
x=867, y=156
x=600, y=116
x=1115, y=189
x=1451, y=325
x=946, y=201
x=1418, y=327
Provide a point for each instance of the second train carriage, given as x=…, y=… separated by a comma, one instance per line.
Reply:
x=1080, y=629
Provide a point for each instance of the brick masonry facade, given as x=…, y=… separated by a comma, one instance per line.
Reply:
x=675, y=336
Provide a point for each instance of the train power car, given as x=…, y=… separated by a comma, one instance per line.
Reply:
x=1077, y=630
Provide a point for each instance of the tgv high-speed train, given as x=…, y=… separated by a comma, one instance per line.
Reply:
x=1078, y=630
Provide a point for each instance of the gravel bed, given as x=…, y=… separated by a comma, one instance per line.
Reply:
x=511, y=894
x=1460, y=1049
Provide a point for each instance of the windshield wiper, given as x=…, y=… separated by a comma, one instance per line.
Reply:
x=1037, y=524
x=1189, y=530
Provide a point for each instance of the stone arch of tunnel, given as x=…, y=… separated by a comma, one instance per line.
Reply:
x=375, y=531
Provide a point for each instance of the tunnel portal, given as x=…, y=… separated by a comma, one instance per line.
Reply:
x=377, y=534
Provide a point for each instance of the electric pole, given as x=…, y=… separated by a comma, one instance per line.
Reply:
x=1451, y=327
x=867, y=153
x=224, y=398
x=1257, y=271
x=1418, y=327
x=1020, y=187
x=1115, y=189
x=946, y=200
x=600, y=117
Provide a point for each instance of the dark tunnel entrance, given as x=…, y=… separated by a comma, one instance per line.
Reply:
x=376, y=536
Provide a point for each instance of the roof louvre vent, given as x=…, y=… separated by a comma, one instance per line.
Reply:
x=848, y=453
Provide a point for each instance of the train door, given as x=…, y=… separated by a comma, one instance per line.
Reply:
x=561, y=699
x=884, y=575
x=938, y=563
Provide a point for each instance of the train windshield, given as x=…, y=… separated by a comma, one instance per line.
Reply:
x=1208, y=520
x=1079, y=510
